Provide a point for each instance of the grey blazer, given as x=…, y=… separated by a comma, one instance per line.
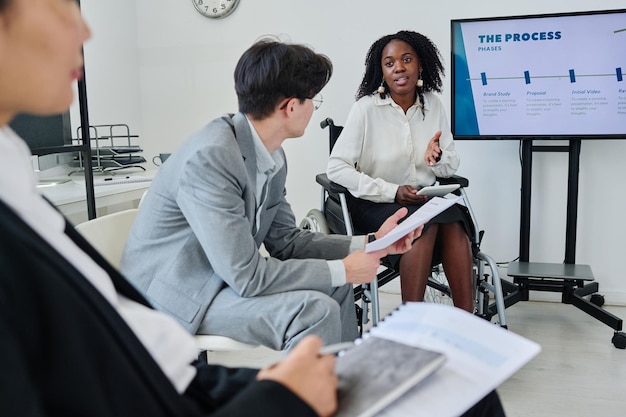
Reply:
x=196, y=230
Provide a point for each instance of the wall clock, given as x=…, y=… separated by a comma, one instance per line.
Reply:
x=215, y=9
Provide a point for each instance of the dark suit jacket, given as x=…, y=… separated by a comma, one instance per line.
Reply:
x=64, y=350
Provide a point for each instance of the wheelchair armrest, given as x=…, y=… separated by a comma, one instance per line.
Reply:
x=322, y=179
x=455, y=179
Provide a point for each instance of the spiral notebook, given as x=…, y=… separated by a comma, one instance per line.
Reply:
x=408, y=362
x=378, y=371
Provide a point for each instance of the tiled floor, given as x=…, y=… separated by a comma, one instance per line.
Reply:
x=578, y=373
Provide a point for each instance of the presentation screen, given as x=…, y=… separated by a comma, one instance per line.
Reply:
x=556, y=76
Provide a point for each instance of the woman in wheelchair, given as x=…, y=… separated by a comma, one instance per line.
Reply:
x=396, y=140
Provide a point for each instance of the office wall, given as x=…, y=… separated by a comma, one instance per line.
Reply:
x=166, y=70
x=111, y=70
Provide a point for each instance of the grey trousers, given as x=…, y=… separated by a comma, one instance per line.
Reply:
x=279, y=321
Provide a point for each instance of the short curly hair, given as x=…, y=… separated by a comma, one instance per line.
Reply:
x=427, y=53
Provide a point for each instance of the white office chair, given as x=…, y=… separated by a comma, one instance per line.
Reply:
x=143, y=196
x=108, y=234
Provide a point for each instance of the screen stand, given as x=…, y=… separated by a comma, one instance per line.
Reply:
x=573, y=281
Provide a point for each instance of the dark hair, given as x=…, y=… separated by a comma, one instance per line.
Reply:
x=4, y=4
x=270, y=71
x=427, y=53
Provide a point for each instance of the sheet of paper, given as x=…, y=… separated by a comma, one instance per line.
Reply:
x=429, y=210
x=480, y=356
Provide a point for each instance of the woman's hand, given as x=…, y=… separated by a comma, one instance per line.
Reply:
x=407, y=195
x=433, y=151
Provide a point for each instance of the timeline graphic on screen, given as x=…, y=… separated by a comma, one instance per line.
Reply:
x=548, y=76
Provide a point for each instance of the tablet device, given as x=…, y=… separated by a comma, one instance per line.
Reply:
x=438, y=190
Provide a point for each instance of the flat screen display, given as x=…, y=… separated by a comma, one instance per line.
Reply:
x=554, y=76
x=45, y=133
x=40, y=132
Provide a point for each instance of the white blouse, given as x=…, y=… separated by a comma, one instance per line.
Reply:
x=382, y=148
x=171, y=346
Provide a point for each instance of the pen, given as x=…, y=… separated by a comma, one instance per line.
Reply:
x=336, y=348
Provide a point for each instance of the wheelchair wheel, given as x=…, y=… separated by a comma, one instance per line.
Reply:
x=315, y=222
x=437, y=290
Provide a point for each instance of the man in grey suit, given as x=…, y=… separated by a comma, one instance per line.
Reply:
x=194, y=247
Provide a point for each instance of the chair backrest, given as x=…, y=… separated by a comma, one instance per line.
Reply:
x=333, y=132
x=108, y=234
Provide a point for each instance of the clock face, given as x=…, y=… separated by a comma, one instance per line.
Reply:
x=215, y=8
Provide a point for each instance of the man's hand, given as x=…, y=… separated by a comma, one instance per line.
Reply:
x=308, y=375
x=401, y=245
x=361, y=267
x=391, y=222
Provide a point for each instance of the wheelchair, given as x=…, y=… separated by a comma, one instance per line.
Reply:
x=334, y=217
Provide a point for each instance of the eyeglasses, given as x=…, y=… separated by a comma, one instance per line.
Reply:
x=317, y=101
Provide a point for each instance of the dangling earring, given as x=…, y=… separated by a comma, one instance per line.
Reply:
x=420, y=82
x=381, y=89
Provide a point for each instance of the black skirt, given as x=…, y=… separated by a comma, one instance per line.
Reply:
x=367, y=217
